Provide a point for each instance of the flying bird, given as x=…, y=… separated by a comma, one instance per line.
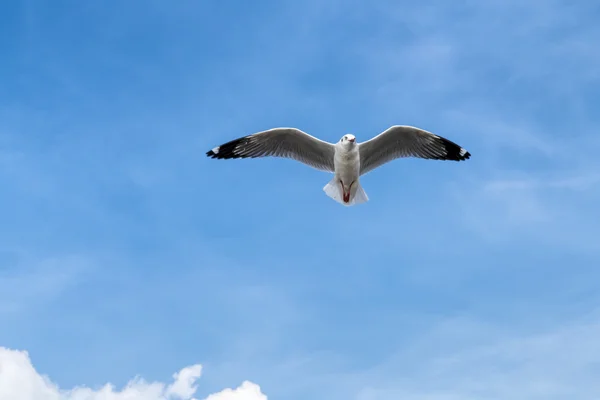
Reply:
x=346, y=159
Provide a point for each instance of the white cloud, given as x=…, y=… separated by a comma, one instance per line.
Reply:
x=20, y=381
x=246, y=391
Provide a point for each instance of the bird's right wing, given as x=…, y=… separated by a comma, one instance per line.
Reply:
x=280, y=142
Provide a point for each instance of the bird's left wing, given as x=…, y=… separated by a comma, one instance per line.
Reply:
x=280, y=142
x=407, y=141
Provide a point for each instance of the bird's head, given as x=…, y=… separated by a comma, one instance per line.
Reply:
x=348, y=140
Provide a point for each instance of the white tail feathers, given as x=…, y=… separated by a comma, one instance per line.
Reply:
x=333, y=189
x=360, y=196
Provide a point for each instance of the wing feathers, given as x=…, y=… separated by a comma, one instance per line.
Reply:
x=407, y=141
x=279, y=142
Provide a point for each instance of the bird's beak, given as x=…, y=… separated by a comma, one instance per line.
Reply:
x=351, y=140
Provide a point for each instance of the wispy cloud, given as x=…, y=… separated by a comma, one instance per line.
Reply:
x=34, y=283
x=553, y=209
x=472, y=361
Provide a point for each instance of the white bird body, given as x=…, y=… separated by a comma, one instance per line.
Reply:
x=347, y=159
x=345, y=184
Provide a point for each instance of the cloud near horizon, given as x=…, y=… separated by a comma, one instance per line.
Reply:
x=19, y=380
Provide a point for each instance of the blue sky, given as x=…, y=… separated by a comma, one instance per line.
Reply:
x=125, y=252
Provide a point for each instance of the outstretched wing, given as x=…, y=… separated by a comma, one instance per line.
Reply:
x=407, y=141
x=279, y=142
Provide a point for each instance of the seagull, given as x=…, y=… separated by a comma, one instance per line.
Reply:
x=346, y=159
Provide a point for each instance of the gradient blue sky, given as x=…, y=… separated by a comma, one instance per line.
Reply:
x=125, y=251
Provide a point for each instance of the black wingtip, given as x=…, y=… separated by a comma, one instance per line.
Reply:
x=462, y=155
x=229, y=150
x=454, y=152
